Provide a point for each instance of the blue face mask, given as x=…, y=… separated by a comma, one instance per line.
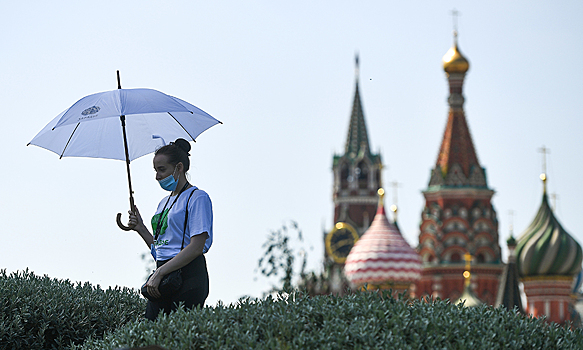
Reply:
x=169, y=183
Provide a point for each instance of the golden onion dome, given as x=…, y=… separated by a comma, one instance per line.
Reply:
x=454, y=61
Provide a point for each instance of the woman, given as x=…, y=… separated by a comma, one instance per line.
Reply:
x=180, y=237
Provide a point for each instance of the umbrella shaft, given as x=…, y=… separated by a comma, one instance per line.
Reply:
x=125, y=145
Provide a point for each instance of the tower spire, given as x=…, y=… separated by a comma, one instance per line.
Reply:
x=357, y=139
x=394, y=207
x=457, y=159
x=381, y=205
x=467, y=274
x=356, y=68
x=468, y=297
x=511, y=241
x=357, y=171
x=454, y=16
x=543, y=176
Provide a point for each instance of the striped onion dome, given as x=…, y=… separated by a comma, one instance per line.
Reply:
x=546, y=249
x=382, y=256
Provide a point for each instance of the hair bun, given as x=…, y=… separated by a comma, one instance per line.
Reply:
x=183, y=145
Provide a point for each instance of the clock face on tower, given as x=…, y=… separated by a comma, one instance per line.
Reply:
x=340, y=240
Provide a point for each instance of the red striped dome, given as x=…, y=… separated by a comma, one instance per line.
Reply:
x=382, y=256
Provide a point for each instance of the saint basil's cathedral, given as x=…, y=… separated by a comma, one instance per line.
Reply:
x=458, y=255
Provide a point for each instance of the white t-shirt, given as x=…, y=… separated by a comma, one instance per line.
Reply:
x=200, y=219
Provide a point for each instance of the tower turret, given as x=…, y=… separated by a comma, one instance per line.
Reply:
x=357, y=172
x=357, y=177
x=458, y=217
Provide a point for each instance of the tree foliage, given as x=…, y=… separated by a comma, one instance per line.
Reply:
x=279, y=257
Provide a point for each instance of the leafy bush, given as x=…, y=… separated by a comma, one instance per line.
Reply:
x=357, y=321
x=44, y=313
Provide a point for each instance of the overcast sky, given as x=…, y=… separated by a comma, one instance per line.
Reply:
x=280, y=76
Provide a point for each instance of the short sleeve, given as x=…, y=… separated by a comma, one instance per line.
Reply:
x=200, y=215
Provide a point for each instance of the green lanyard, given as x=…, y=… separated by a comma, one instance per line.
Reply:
x=160, y=218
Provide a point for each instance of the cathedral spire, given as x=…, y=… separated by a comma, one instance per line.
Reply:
x=457, y=163
x=456, y=66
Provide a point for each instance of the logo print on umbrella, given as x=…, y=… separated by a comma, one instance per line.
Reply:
x=91, y=110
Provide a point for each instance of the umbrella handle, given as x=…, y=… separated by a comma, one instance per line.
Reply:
x=122, y=226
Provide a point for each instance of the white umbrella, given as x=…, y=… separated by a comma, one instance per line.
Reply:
x=122, y=124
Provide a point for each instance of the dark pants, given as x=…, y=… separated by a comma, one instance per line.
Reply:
x=194, y=290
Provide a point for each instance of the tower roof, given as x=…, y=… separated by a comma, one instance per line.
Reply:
x=457, y=163
x=509, y=290
x=357, y=145
x=381, y=255
x=357, y=139
x=457, y=147
x=545, y=248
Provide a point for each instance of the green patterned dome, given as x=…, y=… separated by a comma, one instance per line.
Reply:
x=546, y=249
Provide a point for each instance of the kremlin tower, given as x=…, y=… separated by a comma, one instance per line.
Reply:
x=548, y=259
x=458, y=217
x=357, y=177
x=382, y=258
x=357, y=172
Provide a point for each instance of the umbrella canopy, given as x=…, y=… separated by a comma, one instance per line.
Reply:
x=91, y=127
x=122, y=124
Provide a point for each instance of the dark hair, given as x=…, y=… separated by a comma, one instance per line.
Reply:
x=177, y=152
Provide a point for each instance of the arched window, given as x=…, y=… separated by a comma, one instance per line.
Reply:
x=344, y=176
x=481, y=258
x=362, y=175
x=455, y=257
x=428, y=258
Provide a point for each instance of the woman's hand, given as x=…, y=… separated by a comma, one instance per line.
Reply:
x=135, y=221
x=153, y=283
x=192, y=251
x=137, y=224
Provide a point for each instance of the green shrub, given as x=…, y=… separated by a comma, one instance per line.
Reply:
x=44, y=313
x=358, y=321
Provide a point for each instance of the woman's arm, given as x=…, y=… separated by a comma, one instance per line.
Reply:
x=192, y=251
x=138, y=225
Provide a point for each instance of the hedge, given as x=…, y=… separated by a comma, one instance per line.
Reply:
x=361, y=320
x=44, y=313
